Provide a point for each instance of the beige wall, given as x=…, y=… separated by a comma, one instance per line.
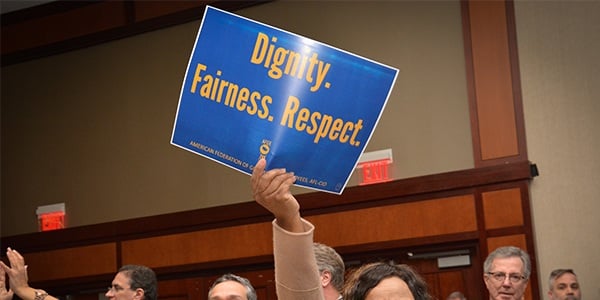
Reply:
x=559, y=52
x=92, y=127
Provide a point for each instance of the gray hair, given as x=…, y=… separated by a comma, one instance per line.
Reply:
x=329, y=260
x=141, y=277
x=250, y=292
x=507, y=252
x=556, y=274
x=456, y=296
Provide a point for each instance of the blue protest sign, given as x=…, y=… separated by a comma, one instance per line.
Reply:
x=253, y=90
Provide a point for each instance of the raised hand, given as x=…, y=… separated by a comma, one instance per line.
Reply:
x=5, y=292
x=17, y=272
x=271, y=189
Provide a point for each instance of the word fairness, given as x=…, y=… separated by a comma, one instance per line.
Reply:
x=232, y=95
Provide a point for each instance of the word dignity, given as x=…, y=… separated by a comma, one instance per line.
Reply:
x=296, y=64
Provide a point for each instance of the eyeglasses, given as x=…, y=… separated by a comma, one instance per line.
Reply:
x=501, y=276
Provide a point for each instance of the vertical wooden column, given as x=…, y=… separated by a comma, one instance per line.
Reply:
x=497, y=122
x=493, y=82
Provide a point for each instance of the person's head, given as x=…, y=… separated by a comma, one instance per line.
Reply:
x=506, y=273
x=331, y=266
x=133, y=282
x=456, y=296
x=564, y=285
x=382, y=280
x=231, y=286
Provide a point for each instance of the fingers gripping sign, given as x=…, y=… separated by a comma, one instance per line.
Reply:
x=271, y=189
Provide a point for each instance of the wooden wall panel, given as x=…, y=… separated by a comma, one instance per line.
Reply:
x=502, y=208
x=200, y=246
x=72, y=262
x=181, y=289
x=397, y=222
x=517, y=240
x=454, y=281
x=492, y=83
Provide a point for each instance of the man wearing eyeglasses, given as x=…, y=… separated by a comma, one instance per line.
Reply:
x=133, y=282
x=564, y=285
x=506, y=273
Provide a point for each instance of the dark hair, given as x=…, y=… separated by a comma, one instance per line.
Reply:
x=141, y=277
x=250, y=292
x=365, y=278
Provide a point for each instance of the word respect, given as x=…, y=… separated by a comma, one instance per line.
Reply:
x=320, y=125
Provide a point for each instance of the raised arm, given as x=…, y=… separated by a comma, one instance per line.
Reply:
x=296, y=272
x=5, y=292
x=17, y=274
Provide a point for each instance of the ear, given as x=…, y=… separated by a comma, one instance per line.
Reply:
x=325, y=278
x=486, y=280
x=139, y=294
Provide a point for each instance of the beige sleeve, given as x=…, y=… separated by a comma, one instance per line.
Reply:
x=296, y=273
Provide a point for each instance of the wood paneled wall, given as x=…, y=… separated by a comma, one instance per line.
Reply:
x=412, y=220
x=201, y=246
x=393, y=215
x=72, y=262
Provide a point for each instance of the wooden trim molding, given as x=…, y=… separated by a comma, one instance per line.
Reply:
x=105, y=20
